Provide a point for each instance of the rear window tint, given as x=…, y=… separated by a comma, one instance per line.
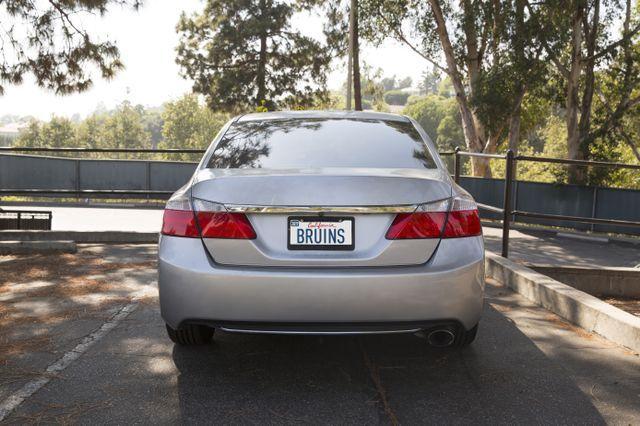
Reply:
x=314, y=143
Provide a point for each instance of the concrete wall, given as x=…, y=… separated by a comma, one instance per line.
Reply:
x=599, y=281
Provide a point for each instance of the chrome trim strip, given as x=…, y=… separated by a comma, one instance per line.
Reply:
x=238, y=208
x=246, y=331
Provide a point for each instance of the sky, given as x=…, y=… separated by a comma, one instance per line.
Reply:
x=147, y=41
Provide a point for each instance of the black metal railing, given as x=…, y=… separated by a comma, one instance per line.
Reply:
x=32, y=220
x=111, y=150
x=507, y=212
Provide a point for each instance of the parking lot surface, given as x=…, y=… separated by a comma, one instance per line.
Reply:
x=527, y=366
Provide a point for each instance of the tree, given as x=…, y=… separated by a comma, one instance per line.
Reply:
x=355, y=52
x=587, y=39
x=124, y=129
x=439, y=117
x=153, y=123
x=404, y=83
x=59, y=132
x=43, y=39
x=429, y=82
x=187, y=124
x=89, y=132
x=389, y=83
x=475, y=38
x=31, y=136
x=241, y=53
x=372, y=87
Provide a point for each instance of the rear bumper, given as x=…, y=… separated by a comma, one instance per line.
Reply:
x=448, y=289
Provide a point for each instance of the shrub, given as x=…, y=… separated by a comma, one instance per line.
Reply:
x=396, y=97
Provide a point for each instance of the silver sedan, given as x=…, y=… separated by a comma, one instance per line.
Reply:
x=321, y=223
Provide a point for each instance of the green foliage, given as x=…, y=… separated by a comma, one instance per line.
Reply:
x=125, y=129
x=187, y=124
x=89, y=131
x=554, y=136
x=58, y=131
x=396, y=97
x=45, y=40
x=440, y=119
x=445, y=88
x=430, y=81
x=239, y=53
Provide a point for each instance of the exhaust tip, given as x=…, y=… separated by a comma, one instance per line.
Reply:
x=441, y=338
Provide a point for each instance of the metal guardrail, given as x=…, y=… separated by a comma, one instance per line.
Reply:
x=112, y=150
x=508, y=213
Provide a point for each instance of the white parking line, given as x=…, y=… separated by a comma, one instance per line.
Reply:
x=14, y=400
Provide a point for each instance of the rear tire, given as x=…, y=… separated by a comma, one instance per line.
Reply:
x=191, y=334
x=469, y=336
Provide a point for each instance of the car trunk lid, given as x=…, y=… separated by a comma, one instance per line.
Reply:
x=371, y=197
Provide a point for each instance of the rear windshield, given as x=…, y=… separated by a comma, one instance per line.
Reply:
x=313, y=143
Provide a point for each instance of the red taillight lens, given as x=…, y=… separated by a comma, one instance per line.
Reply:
x=416, y=225
x=179, y=223
x=211, y=219
x=463, y=223
x=225, y=225
x=433, y=221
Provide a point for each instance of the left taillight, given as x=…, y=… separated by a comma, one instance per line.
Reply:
x=178, y=219
x=206, y=219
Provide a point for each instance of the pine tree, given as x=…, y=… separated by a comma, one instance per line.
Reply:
x=241, y=54
x=45, y=40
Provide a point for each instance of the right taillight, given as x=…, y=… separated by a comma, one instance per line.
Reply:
x=453, y=218
x=206, y=219
x=463, y=219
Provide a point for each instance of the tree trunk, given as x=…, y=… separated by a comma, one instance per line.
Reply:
x=520, y=88
x=357, y=90
x=515, y=120
x=584, y=125
x=577, y=174
x=350, y=58
x=474, y=144
x=261, y=76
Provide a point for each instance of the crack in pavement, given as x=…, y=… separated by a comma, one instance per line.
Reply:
x=374, y=372
x=14, y=400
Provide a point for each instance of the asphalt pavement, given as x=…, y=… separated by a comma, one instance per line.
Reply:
x=527, y=366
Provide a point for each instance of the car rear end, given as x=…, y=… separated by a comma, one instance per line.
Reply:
x=322, y=224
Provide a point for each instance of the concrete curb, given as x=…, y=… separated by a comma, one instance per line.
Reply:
x=104, y=237
x=596, y=281
x=578, y=307
x=33, y=247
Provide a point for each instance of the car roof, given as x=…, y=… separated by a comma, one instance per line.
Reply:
x=283, y=115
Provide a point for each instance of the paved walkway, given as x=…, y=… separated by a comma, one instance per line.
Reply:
x=526, y=246
x=542, y=247
x=527, y=365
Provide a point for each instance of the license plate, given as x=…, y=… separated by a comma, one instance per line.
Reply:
x=321, y=233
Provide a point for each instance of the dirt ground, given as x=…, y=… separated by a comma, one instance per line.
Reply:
x=630, y=305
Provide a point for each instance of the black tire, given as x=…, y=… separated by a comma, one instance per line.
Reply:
x=191, y=334
x=469, y=336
